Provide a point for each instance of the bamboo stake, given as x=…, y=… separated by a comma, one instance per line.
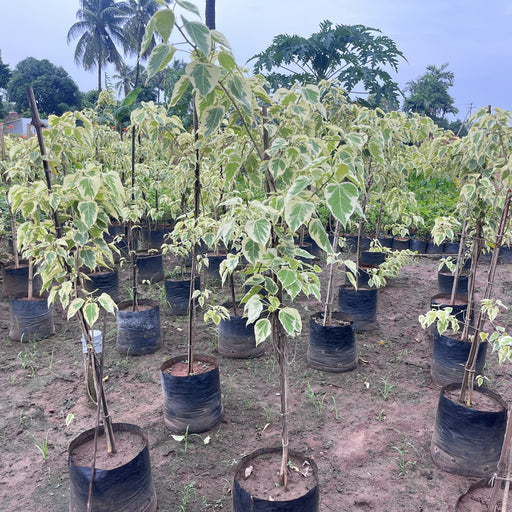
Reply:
x=503, y=470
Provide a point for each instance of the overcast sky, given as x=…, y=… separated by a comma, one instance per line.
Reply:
x=473, y=36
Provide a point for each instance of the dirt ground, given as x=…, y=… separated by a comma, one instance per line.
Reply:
x=369, y=430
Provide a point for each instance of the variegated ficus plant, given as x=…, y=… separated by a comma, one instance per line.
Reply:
x=65, y=223
x=278, y=166
x=481, y=164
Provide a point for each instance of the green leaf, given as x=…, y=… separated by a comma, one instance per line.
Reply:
x=74, y=307
x=164, y=21
x=298, y=186
x=287, y=277
x=290, y=320
x=342, y=200
x=277, y=166
x=237, y=88
x=131, y=97
x=200, y=35
x=160, y=56
x=251, y=250
x=88, y=187
x=88, y=257
x=258, y=230
x=262, y=330
x=227, y=61
x=356, y=139
x=107, y=303
x=253, y=308
x=204, y=77
x=319, y=235
x=91, y=313
x=376, y=152
x=219, y=37
x=189, y=6
x=88, y=212
x=298, y=213
x=211, y=119
x=468, y=191
x=148, y=36
x=311, y=93
x=180, y=88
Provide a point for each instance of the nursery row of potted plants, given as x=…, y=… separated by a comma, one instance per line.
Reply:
x=257, y=171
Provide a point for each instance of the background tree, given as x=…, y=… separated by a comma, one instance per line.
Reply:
x=138, y=13
x=355, y=55
x=54, y=89
x=125, y=79
x=167, y=79
x=428, y=95
x=99, y=28
x=5, y=75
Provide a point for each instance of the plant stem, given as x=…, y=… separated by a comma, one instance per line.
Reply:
x=281, y=347
x=30, y=293
x=459, y=257
x=197, y=199
x=330, y=280
x=475, y=256
x=233, y=295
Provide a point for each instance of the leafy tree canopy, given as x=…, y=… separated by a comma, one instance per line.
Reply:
x=98, y=29
x=5, y=74
x=54, y=90
x=428, y=95
x=355, y=55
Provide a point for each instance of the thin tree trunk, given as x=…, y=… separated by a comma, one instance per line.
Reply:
x=281, y=347
x=30, y=293
x=459, y=257
x=330, y=281
x=475, y=256
x=197, y=199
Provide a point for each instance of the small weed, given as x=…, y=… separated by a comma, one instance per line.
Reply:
x=268, y=413
x=334, y=407
x=188, y=492
x=27, y=360
x=317, y=400
x=385, y=389
x=401, y=356
x=186, y=437
x=381, y=416
x=403, y=461
x=42, y=446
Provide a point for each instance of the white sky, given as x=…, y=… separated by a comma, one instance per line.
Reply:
x=473, y=36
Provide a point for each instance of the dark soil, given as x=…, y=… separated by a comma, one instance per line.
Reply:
x=369, y=430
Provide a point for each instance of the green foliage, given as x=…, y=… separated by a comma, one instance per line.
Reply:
x=54, y=89
x=353, y=54
x=428, y=95
x=98, y=29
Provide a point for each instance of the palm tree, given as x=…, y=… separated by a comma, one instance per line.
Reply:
x=138, y=13
x=99, y=28
x=125, y=79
